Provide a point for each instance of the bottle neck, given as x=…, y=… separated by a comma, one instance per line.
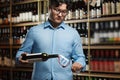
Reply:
x=53, y=55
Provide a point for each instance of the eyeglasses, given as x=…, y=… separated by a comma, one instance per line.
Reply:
x=58, y=11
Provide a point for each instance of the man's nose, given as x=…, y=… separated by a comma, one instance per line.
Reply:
x=60, y=14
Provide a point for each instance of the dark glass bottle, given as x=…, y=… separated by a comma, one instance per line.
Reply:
x=38, y=56
x=116, y=31
x=93, y=9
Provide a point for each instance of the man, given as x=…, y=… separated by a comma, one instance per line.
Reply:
x=52, y=37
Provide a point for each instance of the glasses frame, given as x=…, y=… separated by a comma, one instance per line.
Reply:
x=58, y=11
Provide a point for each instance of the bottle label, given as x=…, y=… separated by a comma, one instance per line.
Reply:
x=34, y=59
x=63, y=61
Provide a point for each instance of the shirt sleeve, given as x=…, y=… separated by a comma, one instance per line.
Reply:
x=26, y=46
x=78, y=54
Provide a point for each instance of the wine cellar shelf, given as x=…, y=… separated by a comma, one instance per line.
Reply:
x=97, y=22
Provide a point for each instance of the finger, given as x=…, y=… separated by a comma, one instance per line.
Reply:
x=22, y=61
x=73, y=70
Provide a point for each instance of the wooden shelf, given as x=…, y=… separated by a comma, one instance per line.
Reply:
x=5, y=68
x=94, y=20
x=105, y=19
x=82, y=74
x=22, y=69
x=16, y=47
x=105, y=75
x=76, y=21
x=26, y=24
x=4, y=5
x=102, y=47
x=4, y=46
x=25, y=2
x=106, y=47
x=99, y=75
x=3, y=26
x=107, y=72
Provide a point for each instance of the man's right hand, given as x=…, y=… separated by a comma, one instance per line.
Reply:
x=21, y=60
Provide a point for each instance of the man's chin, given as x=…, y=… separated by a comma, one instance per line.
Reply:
x=58, y=21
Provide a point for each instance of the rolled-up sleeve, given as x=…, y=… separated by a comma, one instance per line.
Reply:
x=78, y=54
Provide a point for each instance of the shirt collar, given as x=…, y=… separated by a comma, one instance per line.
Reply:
x=48, y=25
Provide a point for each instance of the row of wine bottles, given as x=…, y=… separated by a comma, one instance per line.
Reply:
x=25, y=13
x=9, y=60
x=22, y=13
x=4, y=1
x=97, y=8
x=78, y=77
x=17, y=75
x=100, y=8
x=106, y=54
x=8, y=1
x=19, y=34
x=26, y=75
x=21, y=75
x=5, y=15
x=100, y=32
x=4, y=35
x=5, y=75
x=105, y=32
x=105, y=60
x=5, y=59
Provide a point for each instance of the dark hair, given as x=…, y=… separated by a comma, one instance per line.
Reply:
x=56, y=3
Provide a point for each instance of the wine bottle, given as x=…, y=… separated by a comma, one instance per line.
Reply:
x=111, y=31
x=113, y=6
x=107, y=6
x=93, y=9
x=118, y=6
x=103, y=8
x=116, y=31
x=98, y=8
x=38, y=56
x=97, y=33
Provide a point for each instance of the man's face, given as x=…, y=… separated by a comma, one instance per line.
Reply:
x=58, y=14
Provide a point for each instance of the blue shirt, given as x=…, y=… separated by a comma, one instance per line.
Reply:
x=63, y=40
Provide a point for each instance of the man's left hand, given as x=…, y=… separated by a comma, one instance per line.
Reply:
x=76, y=67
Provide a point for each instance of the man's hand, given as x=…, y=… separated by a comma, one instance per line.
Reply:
x=76, y=67
x=23, y=61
